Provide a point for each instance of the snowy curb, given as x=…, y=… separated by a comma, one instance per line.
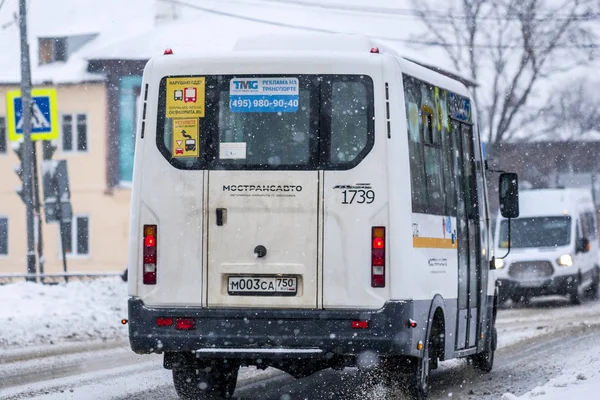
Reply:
x=36, y=352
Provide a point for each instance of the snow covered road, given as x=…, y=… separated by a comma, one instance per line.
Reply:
x=118, y=374
x=75, y=348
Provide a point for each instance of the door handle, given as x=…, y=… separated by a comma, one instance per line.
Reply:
x=221, y=216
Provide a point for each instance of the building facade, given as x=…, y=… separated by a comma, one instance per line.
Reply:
x=96, y=238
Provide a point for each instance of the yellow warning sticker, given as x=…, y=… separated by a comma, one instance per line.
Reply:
x=185, y=97
x=186, y=138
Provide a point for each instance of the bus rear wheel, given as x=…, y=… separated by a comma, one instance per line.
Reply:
x=485, y=361
x=419, y=379
x=195, y=382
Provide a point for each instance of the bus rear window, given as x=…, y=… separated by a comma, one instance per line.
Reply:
x=349, y=121
x=302, y=122
x=274, y=138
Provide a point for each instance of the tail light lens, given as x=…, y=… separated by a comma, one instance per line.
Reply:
x=360, y=324
x=162, y=321
x=150, y=243
x=184, y=324
x=378, y=257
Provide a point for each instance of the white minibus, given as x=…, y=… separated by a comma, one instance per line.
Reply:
x=333, y=206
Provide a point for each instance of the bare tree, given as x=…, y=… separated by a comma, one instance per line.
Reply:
x=573, y=112
x=511, y=47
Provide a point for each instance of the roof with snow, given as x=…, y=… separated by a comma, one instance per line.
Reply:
x=64, y=18
x=140, y=29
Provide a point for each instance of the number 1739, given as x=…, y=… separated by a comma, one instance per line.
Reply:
x=358, y=196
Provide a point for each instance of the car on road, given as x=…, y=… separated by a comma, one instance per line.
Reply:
x=553, y=246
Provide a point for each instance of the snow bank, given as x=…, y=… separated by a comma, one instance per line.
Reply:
x=544, y=315
x=580, y=378
x=575, y=385
x=36, y=314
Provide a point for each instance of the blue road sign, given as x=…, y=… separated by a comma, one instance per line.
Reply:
x=44, y=115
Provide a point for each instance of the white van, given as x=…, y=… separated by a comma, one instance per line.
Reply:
x=554, y=246
x=334, y=206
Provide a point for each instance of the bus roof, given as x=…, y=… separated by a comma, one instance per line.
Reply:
x=311, y=51
x=337, y=42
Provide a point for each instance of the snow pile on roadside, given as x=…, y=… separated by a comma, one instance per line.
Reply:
x=37, y=314
x=572, y=385
x=543, y=316
x=580, y=379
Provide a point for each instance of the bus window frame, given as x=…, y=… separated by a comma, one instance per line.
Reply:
x=414, y=83
x=319, y=120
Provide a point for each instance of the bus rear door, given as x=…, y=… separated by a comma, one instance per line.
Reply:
x=263, y=192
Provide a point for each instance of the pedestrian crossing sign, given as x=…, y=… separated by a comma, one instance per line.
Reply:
x=44, y=115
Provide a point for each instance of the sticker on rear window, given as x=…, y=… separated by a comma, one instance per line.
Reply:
x=185, y=138
x=232, y=151
x=263, y=95
x=185, y=97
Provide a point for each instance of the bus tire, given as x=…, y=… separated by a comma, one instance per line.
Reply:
x=194, y=382
x=485, y=361
x=419, y=381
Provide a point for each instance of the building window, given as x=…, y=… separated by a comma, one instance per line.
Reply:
x=74, y=132
x=81, y=132
x=52, y=50
x=2, y=135
x=3, y=236
x=76, y=234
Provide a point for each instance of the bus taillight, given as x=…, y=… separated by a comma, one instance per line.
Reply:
x=378, y=257
x=150, y=239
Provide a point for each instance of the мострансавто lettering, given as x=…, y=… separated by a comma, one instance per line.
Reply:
x=262, y=188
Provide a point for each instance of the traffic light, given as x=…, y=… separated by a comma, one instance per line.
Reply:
x=57, y=193
x=18, y=148
x=48, y=149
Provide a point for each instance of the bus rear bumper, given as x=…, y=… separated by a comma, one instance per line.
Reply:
x=275, y=333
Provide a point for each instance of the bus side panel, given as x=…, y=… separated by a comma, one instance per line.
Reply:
x=347, y=242
x=172, y=199
x=435, y=258
x=348, y=227
x=398, y=169
x=179, y=235
x=135, y=230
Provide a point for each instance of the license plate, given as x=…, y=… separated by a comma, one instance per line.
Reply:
x=262, y=285
x=531, y=283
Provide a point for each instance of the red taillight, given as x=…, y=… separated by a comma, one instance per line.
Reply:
x=184, y=323
x=378, y=257
x=360, y=324
x=164, y=321
x=168, y=51
x=378, y=243
x=150, y=239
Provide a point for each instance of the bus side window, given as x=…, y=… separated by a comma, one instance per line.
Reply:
x=412, y=94
x=432, y=152
x=433, y=168
x=447, y=164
